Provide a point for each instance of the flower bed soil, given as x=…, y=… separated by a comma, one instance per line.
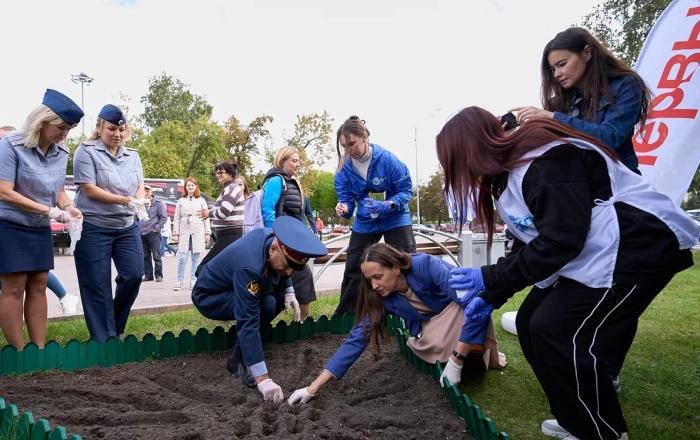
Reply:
x=193, y=397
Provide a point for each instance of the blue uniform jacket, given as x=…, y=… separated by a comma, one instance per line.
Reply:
x=232, y=284
x=428, y=278
x=614, y=124
x=387, y=174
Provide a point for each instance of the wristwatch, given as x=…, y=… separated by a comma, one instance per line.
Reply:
x=459, y=356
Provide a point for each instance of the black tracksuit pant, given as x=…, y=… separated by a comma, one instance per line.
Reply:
x=401, y=238
x=565, y=332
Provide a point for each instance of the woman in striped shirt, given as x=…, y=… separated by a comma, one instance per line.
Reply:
x=227, y=213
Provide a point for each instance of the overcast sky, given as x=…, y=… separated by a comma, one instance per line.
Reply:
x=393, y=63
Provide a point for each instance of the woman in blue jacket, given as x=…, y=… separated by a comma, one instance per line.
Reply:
x=416, y=288
x=585, y=87
x=366, y=168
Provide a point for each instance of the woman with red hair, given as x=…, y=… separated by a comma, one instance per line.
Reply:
x=190, y=231
x=596, y=240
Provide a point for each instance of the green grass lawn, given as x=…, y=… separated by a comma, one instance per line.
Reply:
x=660, y=379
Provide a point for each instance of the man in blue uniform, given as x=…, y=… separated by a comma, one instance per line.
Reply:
x=249, y=282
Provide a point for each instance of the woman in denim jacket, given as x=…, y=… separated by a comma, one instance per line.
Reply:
x=587, y=88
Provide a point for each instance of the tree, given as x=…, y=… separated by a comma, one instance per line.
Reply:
x=242, y=140
x=624, y=24
x=322, y=195
x=432, y=201
x=312, y=137
x=175, y=150
x=168, y=99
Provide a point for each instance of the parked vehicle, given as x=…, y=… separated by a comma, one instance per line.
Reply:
x=339, y=230
x=430, y=232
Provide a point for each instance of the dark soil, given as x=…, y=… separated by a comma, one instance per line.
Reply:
x=193, y=397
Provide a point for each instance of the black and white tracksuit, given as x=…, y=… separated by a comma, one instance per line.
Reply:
x=598, y=255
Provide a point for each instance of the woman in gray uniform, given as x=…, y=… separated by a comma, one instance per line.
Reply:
x=110, y=192
x=32, y=172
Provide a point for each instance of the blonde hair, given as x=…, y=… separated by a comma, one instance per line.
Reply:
x=100, y=122
x=35, y=123
x=284, y=154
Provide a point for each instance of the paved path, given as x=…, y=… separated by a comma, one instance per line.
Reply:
x=161, y=296
x=154, y=295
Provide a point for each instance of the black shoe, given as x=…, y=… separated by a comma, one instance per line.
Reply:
x=147, y=279
x=159, y=279
x=239, y=370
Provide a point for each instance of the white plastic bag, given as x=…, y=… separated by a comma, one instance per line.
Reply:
x=75, y=228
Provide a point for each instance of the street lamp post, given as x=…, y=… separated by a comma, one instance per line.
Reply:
x=415, y=143
x=83, y=79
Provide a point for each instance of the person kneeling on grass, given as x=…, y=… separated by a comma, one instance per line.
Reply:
x=416, y=288
x=249, y=282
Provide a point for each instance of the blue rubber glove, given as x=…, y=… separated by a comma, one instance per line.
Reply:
x=468, y=279
x=478, y=310
x=377, y=206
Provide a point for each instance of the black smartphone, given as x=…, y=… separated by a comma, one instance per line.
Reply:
x=510, y=121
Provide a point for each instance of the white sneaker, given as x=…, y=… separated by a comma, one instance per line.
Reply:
x=617, y=384
x=552, y=428
x=178, y=286
x=69, y=304
x=193, y=281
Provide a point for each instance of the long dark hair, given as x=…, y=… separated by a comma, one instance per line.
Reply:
x=601, y=69
x=352, y=125
x=370, y=304
x=473, y=149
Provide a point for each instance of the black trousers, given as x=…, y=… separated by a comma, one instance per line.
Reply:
x=401, y=238
x=221, y=240
x=566, y=332
x=151, y=251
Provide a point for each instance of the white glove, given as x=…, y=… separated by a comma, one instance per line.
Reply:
x=452, y=372
x=139, y=208
x=59, y=215
x=75, y=230
x=271, y=391
x=290, y=299
x=301, y=395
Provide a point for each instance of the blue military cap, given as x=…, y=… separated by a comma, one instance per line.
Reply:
x=112, y=113
x=63, y=106
x=297, y=241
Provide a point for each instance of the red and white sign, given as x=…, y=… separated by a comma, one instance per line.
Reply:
x=669, y=146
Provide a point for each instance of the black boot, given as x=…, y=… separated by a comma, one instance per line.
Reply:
x=238, y=369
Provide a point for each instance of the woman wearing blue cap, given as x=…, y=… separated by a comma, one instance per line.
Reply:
x=366, y=168
x=416, y=288
x=110, y=193
x=32, y=173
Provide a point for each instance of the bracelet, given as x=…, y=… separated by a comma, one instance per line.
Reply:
x=459, y=356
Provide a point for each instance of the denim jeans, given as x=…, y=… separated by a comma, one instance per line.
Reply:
x=182, y=260
x=164, y=245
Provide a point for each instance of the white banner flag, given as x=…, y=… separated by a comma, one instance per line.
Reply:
x=669, y=147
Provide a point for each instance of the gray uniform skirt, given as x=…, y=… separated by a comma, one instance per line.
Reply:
x=25, y=248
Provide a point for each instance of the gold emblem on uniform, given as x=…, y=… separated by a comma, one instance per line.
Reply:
x=253, y=288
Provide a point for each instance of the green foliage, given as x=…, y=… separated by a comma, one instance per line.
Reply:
x=168, y=99
x=432, y=202
x=72, y=144
x=312, y=137
x=322, y=194
x=624, y=24
x=175, y=150
x=243, y=141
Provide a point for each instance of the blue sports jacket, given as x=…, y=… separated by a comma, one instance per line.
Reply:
x=615, y=120
x=429, y=279
x=387, y=174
